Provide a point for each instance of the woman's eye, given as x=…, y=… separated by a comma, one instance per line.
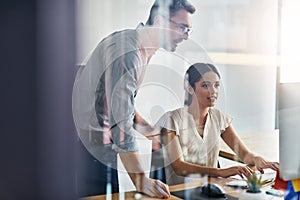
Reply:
x=205, y=85
x=217, y=85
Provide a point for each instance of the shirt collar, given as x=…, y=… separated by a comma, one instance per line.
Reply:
x=145, y=42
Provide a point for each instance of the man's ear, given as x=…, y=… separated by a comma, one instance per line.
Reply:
x=158, y=20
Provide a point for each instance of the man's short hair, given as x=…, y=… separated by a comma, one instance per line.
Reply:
x=169, y=8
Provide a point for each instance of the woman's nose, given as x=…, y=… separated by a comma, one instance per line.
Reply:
x=213, y=90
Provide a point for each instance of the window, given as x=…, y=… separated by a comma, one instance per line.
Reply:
x=290, y=41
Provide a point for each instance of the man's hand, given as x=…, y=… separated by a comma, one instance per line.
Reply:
x=151, y=187
x=143, y=184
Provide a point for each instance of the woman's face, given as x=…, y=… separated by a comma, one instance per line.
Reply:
x=207, y=89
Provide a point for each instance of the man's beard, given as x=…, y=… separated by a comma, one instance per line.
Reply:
x=170, y=46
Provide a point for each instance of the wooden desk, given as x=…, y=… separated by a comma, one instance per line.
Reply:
x=265, y=144
x=173, y=188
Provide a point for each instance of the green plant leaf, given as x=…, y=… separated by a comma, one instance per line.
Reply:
x=255, y=182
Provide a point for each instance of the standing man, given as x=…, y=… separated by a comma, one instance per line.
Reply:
x=103, y=99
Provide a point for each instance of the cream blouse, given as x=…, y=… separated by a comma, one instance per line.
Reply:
x=195, y=149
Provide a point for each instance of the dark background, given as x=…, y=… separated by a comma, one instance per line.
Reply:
x=37, y=49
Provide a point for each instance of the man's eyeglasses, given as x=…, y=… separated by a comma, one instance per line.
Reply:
x=181, y=27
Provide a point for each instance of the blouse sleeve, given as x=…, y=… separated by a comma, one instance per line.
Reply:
x=170, y=122
x=223, y=118
x=226, y=121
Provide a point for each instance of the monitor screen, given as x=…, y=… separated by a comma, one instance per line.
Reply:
x=289, y=130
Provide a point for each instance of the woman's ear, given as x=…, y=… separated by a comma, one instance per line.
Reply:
x=188, y=95
x=187, y=86
x=190, y=89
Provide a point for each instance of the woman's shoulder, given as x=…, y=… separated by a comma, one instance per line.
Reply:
x=180, y=113
x=216, y=111
x=176, y=116
x=221, y=116
x=167, y=120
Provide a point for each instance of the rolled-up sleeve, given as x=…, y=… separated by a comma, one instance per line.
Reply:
x=120, y=89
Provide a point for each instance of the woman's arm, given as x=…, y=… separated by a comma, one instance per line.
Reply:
x=183, y=168
x=236, y=144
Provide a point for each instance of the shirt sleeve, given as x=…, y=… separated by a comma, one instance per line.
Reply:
x=120, y=89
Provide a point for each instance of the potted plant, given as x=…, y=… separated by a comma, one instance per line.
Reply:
x=254, y=184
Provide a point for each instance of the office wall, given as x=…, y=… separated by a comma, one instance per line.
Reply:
x=240, y=28
x=96, y=19
x=245, y=32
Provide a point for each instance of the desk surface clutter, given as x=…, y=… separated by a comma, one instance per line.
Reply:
x=266, y=144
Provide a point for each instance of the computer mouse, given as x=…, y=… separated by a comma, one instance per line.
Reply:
x=212, y=190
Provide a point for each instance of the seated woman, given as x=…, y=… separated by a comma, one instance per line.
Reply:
x=192, y=134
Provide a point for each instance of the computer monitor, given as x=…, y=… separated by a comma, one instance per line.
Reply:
x=289, y=130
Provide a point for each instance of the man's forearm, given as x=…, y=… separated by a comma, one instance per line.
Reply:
x=133, y=167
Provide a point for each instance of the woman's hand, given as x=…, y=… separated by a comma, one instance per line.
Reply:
x=243, y=171
x=261, y=164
